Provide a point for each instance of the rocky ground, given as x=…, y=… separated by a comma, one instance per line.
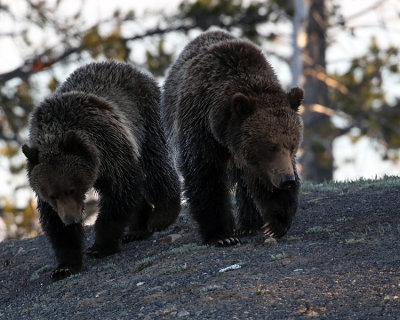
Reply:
x=340, y=260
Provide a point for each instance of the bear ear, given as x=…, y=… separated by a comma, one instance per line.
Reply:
x=32, y=154
x=241, y=105
x=74, y=144
x=295, y=96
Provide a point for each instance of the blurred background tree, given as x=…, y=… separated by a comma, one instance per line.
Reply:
x=295, y=35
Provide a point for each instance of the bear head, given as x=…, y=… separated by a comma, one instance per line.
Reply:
x=62, y=175
x=264, y=133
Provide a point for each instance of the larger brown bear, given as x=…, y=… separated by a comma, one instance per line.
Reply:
x=101, y=129
x=233, y=127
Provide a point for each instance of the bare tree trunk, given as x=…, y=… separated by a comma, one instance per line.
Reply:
x=316, y=160
x=299, y=18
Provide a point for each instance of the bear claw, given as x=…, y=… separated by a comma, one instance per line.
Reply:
x=244, y=232
x=266, y=229
x=65, y=270
x=228, y=242
x=275, y=229
x=61, y=273
x=270, y=233
x=265, y=226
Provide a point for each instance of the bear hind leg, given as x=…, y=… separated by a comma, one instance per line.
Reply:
x=108, y=238
x=162, y=187
x=137, y=228
x=164, y=215
x=109, y=227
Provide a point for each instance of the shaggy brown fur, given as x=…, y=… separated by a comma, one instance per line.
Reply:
x=101, y=129
x=231, y=124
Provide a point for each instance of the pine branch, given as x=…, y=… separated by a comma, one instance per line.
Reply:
x=38, y=63
x=322, y=76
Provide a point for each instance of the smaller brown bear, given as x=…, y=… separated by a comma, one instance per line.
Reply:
x=233, y=127
x=101, y=129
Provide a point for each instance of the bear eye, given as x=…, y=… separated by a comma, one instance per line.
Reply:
x=52, y=197
x=273, y=148
x=70, y=192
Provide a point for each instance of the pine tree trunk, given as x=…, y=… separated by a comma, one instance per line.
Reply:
x=316, y=160
x=300, y=16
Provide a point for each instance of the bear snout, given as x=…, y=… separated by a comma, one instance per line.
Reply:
x=70, y=220
x=69, y=211
x=287, y=182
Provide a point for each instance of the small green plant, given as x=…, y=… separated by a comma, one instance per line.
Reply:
x=109, y=266
x=355, y=241
x=319, y=229
x=279, y=256
x=294, y=238
x=144, y=263
x=344, y=219
x=384, y=228
x=173, y=270
x=354, y=185
x=186, y=248
x=329, y=229
x=120, y=284
x=38, y=272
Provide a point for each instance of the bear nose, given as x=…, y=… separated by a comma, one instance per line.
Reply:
x=287, y=182
x=70, y=220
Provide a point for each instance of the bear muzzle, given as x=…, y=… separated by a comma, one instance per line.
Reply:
x=287, y=182
x=69, y=212
x=280, y=171
x=68, y=220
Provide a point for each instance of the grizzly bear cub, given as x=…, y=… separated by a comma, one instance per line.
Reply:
x=233, y=127
x=101, y=129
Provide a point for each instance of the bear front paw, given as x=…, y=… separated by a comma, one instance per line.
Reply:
x=275, y=230
x=98, y=252
x=62, y=272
